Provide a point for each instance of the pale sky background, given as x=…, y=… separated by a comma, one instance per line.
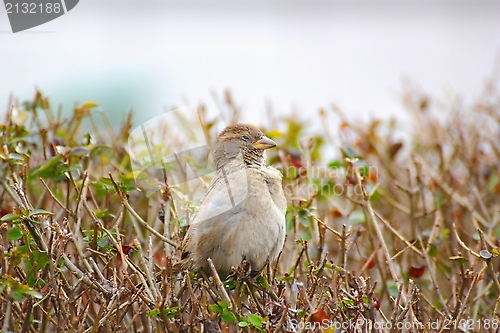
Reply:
x=148, y=55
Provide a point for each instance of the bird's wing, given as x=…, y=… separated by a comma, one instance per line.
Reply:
x=274, y=182
x=226, y=191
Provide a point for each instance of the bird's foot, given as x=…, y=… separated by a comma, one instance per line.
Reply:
x=246, y=269
x=242, y=272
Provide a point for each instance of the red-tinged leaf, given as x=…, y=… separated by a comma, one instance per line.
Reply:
x=351, y=180
x=335, y=213
x=160, y=258
x=417, y=271
x=126, y=249
x=318, y=316
x=9, y=209
x=370, y=263
x=297, y=163
x=395, y=148
x=372, y=176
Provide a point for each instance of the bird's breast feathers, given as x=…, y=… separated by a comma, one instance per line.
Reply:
x=246, y=189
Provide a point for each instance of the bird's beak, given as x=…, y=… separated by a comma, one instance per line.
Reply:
x=264, y=143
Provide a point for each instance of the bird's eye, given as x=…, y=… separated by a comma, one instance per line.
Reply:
x=245, y=138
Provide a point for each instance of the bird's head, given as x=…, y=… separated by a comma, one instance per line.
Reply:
x=247, y=139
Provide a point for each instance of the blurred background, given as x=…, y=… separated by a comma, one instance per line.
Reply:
x=292, y=55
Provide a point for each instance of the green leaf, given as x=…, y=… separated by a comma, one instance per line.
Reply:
x=103, y=242
x=433, y=250
x=62, y=150
x=39, y=212
x=445, y=234
x=15, y=157
x=302, y=313
x=228, y=316
x=214, y=308
x=335, y=164
x=19, y=291
x=49, y=169
x=255, y=320
x=364, y=170
x=14, y=233
x=290, y=220
x=348, y=301
x=305, y=217
x=292, y=172
x=36, y=262
x=103, y=213
x=153, y=313
x=286, y=278
x=31, y=280
x=263, y=282
x=17, y=254
x=80, y=151
x=231, y=284
x=134, y=176
x=171, y=312
x=106, y=181
x=357, y=217
x=17, y=296
x=243, y=324
x=459, y=259
x=34, y=293
x=10, y=217
x=41, y=259
x=445, y=268
x=393, y=288
x=89, y=105
x=104, y=152
x=224, y=304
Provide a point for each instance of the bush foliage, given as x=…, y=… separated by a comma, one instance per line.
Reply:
x=388, y=224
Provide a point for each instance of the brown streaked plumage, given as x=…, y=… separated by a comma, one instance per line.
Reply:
x=242, y=215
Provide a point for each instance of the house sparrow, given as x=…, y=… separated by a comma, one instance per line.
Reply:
x=242, y=216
